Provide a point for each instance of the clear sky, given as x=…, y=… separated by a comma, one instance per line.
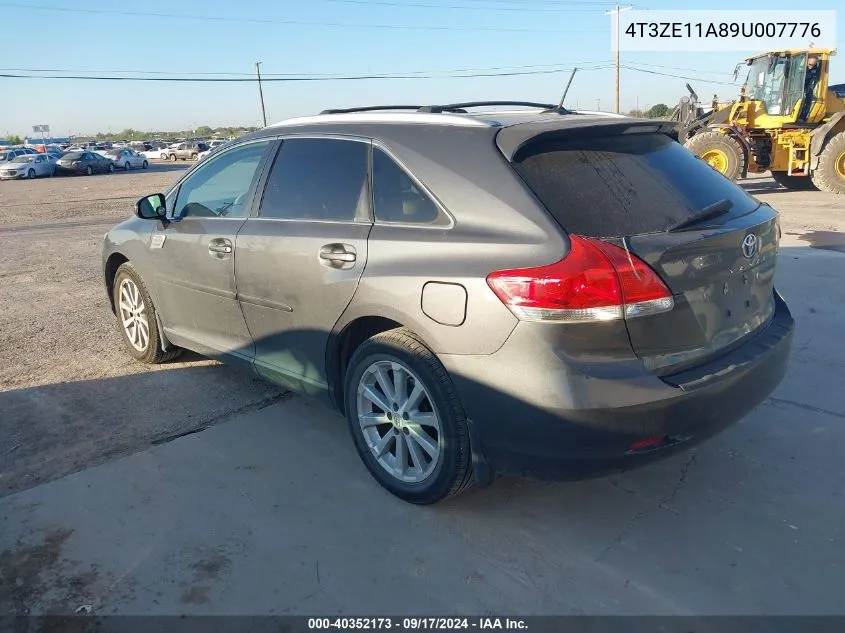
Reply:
x=328, y=38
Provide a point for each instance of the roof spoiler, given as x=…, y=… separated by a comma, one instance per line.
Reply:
x=512, y=139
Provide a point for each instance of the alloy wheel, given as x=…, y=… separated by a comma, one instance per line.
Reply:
x=133, y=315
x=398, y=421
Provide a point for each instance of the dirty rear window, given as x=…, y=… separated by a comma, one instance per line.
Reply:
x=624, y=184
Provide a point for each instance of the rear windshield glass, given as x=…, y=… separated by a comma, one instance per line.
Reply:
x=624, y=185
x=73, y=155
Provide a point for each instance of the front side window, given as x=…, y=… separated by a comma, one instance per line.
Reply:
x=318, y=179
x=396, y=198
x=219, y=188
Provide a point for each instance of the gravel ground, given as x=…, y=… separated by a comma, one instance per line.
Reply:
x=56, y=329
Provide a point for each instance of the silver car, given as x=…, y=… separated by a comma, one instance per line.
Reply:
x=28, y=166
x=537, y=293
x=126, y=158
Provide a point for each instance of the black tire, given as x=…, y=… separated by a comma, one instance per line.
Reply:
x=731, y=148
x=173, y=158
x=163, y=157
x=195, y=156
x=111, y=168
x=152, y=354
x=794, y=183
x=89, y=171
x=31, y=174
x=144, y=165
x=830, y=174
x=126, y=166
x=453, y=471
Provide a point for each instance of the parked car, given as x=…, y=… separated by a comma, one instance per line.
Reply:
x=9, y=154
x=127, y=158
x=526, y=292
x=186, y=151
x=28, y=166
x=156, y=151
x=83, y=163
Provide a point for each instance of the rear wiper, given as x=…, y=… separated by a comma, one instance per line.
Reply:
x=707, y=213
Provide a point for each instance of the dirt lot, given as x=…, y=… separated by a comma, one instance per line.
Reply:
x=56, y=328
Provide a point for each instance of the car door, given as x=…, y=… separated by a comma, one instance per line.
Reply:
x=42, y=165
x=193, y=255
x=298, y=263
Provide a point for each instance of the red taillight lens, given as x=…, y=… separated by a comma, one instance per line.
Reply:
x=596, y=281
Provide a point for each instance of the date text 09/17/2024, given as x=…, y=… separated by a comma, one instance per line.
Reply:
x=417, y=624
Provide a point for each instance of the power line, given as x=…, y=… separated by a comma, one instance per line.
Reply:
x=568, y=66
x=695, y=70
x=295, y=79
x=654, y=72
x=183, y=16
x=523, y=9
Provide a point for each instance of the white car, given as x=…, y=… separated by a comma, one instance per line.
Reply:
x=158, y=152
x=28, y=166
x=126, y=157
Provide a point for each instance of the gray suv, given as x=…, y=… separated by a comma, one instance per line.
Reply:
x=532, y=291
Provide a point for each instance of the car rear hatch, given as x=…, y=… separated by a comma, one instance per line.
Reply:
x=711, y=244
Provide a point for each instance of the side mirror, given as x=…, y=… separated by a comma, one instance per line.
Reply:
x=151, y=207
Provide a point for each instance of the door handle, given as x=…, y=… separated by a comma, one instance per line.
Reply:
x=220, y=245
x=338, y=255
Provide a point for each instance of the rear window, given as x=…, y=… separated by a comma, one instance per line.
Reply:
x=624, y=185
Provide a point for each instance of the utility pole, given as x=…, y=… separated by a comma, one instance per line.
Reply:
x=261, y=92
x=617, y=25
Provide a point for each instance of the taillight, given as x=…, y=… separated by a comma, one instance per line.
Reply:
x=596, y=281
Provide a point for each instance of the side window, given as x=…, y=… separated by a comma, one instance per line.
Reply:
x=396, y=198
x=318, y=179
x=219, y=188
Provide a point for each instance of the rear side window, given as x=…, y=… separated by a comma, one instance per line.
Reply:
x=624, y=185
x=396, y=198
x=318, y=179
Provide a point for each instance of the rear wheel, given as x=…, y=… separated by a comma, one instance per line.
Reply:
x=126, y=166
x=163, y=157
x=111, y=168
x=406, y=419
x=144, y=165
x=173, y=158
x=830, y=174
x=195, y=156
x=795, y=183
x=89, y=170
x=136, y=317
x=721, y=151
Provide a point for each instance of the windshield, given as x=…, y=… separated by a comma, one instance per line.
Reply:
x=26, y=158
x=766, y=81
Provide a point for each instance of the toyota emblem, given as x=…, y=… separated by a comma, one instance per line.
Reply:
x=749, y=246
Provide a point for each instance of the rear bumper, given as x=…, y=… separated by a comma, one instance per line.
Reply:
x=541, y=414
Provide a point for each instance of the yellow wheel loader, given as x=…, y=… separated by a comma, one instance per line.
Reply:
x=788, y=120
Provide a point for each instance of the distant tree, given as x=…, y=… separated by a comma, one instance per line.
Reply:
x=204, y=130
x=14, y=139
x=658, y=111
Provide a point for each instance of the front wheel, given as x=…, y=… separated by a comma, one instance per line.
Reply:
x=406, y=419
x=144, y=165
x=136, y=317
x=30, y=174
x=195, y=156
x=89, y=171
x=721, y=151
x=126, y=166
x=173, y=158
x=830, y=174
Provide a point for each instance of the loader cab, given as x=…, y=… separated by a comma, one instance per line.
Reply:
x=777, y=81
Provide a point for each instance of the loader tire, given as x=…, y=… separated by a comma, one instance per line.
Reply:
x=830, y=174
x=794, y=183
x=721, y=151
